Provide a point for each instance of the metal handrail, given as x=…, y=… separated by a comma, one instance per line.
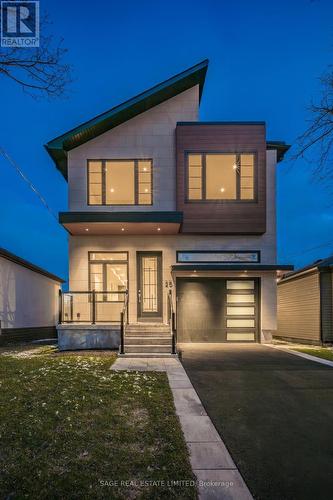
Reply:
x=172, y=323
x=123, y=323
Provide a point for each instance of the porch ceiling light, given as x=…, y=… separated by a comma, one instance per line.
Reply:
x=158, y=229
x=86, y=229
x=123, y=229
x=222, y=190
x=112, y=190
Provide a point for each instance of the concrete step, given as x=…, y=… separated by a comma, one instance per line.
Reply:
x=148, y=327
x=143, y=340
x=140, y=349
x=148, y=355
x=165, y=335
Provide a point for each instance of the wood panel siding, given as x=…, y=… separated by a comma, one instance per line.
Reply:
x=222, y=217
x=299, y=308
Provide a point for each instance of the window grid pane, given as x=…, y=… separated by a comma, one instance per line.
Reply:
x=144, y=182
x=113, y=256
x=195, y=177
x=149, y=295
x=95, y=182
x=247, y=179
x=221, y=177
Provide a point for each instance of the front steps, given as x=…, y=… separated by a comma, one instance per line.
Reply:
x=148, y=340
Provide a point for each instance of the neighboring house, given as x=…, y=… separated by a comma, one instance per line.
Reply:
x=29, y=299
x=305, y=304
x=162, y=203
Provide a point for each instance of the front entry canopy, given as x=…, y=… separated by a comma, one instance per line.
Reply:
x=121, y=223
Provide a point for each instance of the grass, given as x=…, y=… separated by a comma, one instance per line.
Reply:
x=319, y=352
x=70, y=427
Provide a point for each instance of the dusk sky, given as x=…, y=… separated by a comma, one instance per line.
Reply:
x=265, y=62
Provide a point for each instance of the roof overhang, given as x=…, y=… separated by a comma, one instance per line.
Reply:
x=121, y=223
x=28, y=265
x=58, y=147
x=280, y=147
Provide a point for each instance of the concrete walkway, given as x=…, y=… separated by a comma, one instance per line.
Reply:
x=217, y=475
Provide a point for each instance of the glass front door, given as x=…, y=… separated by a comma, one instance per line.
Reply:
x=149, y=266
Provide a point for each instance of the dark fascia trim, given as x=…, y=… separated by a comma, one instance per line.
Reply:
x=280, y=147
x=72, y=217
x=231, y=267
x=186, y=124
x=58, y=147
x=28, y=265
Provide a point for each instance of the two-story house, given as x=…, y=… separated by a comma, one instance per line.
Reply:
x=164, y=206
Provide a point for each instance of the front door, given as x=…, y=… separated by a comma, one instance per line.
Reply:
x=150, y=303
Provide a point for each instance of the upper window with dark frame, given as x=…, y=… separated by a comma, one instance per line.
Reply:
x=220, y=176
x=120, y=182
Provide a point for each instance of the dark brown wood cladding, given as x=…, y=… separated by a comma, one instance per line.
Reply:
x=230, y=217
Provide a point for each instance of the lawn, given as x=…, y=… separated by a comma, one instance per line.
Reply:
x=70, y=427
x=319, y=352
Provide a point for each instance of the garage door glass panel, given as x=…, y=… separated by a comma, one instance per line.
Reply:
x=240, y=337
x=240, y=323
x=240, y=311
x=240, y=298
x=240, y=294
x=240, y=285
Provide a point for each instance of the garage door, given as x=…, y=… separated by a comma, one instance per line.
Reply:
x=217, y=310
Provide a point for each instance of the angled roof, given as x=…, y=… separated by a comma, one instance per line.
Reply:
x=58, y=147
x=28, y=265
x=317, y=265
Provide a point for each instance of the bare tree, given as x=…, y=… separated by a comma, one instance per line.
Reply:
x=316, y=143
x=40, y=71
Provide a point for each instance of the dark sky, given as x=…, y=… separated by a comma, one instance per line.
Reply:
x=265, y=62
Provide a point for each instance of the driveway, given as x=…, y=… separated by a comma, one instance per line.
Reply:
x=274, y=412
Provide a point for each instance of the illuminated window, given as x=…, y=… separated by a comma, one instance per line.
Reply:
x=108, y=272
x=220, y=176
x=195, y=177
x=120, y=182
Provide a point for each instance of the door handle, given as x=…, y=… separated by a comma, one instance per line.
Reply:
x=139, y=296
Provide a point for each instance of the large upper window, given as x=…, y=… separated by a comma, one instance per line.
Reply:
x=120, y=182
x=219, y=176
